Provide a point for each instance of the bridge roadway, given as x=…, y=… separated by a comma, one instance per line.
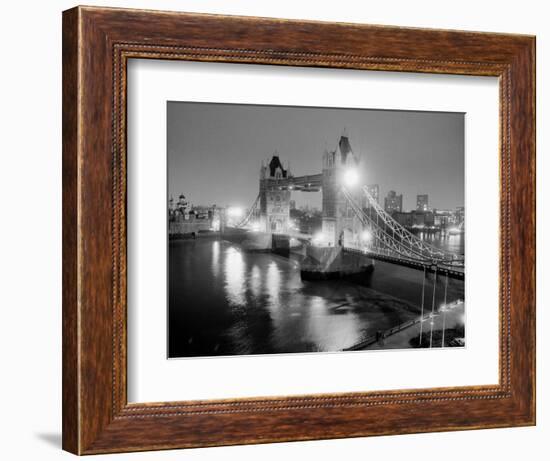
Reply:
x=311, y=182
x=297, y=235
x=453, y=271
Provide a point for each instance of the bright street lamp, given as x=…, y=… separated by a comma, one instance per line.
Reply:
x=351, y=177
x=366, y=236
x=234, y=212
x=318, y=239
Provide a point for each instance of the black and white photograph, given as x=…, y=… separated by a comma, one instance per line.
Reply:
x=275, y=230
x=314, y=229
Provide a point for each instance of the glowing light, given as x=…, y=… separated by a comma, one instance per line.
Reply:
x=235, y=211
x=215, y=224
x=366, y=236
x=351, y=177
x=234, y=268
x=318, y=239
x=256, y=227
x=294, y=242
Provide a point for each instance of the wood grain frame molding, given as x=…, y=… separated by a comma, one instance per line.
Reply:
x=97, y=44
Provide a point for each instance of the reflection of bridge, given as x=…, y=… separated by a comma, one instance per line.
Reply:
x=351, y=218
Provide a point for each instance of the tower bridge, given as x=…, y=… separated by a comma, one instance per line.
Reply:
x=271, y=210
x=352, y=219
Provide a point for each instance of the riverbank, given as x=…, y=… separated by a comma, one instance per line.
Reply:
x=452, y=320
x=201, y=234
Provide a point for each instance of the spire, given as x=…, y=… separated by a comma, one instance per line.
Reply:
x=276, y=165
x=345, y=150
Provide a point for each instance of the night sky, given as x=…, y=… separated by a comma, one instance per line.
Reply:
x=215, y=150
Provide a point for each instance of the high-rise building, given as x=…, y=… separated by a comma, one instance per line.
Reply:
x=393, y=202
x=422, y=202
x=459, y=215
x=292, y=204
x=374, y=192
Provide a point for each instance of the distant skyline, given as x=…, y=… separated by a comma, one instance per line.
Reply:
x=215, y=151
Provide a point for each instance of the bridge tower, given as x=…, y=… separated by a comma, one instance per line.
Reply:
x=340, y=223
x=274, y=198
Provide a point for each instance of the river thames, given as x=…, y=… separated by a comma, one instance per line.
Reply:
x=227, y=301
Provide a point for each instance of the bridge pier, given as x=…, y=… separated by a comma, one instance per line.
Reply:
x=280, y=244
x=332, y=263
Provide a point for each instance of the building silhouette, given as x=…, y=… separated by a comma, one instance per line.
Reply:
x=374, y=191
x=422, y=202
x=393, y=202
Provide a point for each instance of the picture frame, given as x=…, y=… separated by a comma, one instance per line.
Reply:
x=97, y=44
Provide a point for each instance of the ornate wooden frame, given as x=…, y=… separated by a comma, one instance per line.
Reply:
x=97, y=43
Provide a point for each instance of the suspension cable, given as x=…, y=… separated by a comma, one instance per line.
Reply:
x=433, y=307
x=422, y=307
x=444, y=310
x=386, y=239
x=244, y=221
x=406, y=235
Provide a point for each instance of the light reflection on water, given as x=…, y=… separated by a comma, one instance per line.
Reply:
x=273, y=285
x=225, y=301
x=234, y=277
x=215, y=258
x=255, y=280
x=453, y=243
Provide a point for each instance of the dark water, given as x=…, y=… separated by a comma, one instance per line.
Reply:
x=225, y=301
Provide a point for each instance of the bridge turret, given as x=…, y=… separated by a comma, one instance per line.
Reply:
x=341, y=157
x=274, y=199
x=346, y=155
x=339, y=222
x=276, y=169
